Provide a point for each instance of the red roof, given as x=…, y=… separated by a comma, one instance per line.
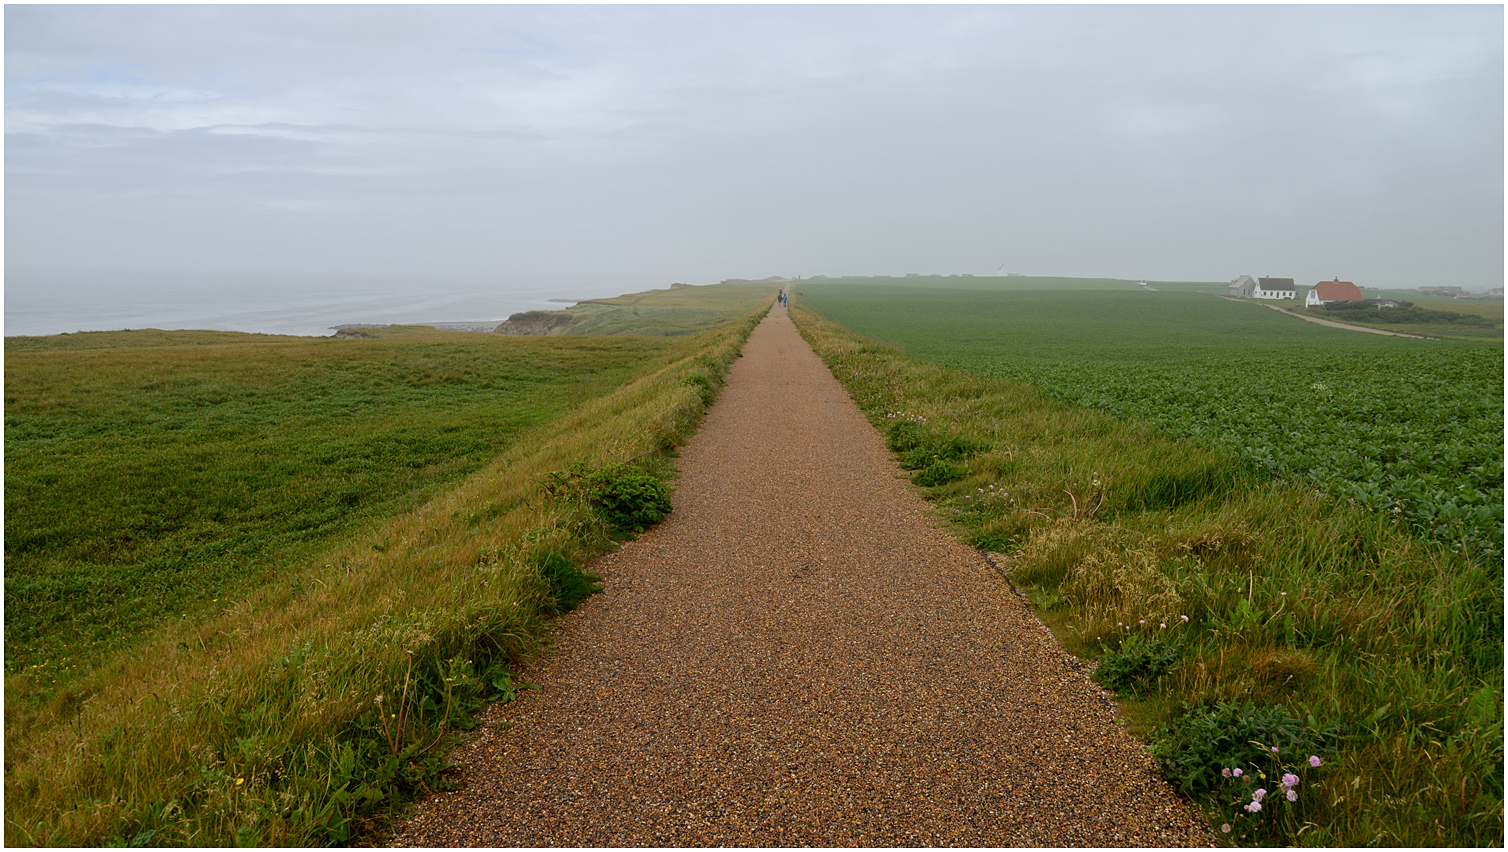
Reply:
x=1338, y=291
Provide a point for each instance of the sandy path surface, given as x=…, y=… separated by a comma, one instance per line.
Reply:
x=800, y=656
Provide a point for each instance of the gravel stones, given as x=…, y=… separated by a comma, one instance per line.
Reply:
x=798, y=655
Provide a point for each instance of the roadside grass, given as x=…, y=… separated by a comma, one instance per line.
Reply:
x=1227, y=607
x=307, y=708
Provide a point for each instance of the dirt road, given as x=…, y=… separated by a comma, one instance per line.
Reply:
x=1333, y=324
x=799, y=656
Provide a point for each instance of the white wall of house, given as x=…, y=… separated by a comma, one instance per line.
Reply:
x=1273, y=294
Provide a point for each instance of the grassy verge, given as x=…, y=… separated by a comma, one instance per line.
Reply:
x=1232, y=613
x=302, y=710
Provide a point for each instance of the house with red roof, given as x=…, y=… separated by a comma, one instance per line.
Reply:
x=1326, y=292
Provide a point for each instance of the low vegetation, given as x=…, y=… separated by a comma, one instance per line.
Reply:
x=1310, y=671
x=296, y=670
x=1410, y=318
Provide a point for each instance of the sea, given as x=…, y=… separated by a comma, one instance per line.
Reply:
x=313, y=313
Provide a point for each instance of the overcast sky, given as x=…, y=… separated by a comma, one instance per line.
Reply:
x=219, y=149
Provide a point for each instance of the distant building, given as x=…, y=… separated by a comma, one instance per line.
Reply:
x=1381, y=303
x=1244, y=286
x=1275, y=288
x=1453, y=292
x=1326, y=292
x=1496, y=291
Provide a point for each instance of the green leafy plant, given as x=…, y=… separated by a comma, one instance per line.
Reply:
x=628, y=498
x=940, y=472
x=1137, y=665
x=1196, y=746
x=631, y=499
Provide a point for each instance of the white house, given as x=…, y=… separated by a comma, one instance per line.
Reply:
x=1243, y=286
x=1275, y=288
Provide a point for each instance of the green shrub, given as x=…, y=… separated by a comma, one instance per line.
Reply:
x=1137, y=666
x=630, y=499
x=1196, y=746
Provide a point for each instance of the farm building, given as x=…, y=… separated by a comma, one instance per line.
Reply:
x=1275, y=288
x=1332, y=291
x=1243, y=286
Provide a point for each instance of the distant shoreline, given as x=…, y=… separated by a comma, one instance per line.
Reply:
x=475, y=325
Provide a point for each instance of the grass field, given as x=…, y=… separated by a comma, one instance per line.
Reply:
x=1244, y=620
x=255, y=584
x=148, y=474
x=676, y=310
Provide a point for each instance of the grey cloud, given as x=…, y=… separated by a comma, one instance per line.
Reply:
x=637, y=145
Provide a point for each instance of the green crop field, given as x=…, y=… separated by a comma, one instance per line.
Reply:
x=1265, y=635
x=1412, y=428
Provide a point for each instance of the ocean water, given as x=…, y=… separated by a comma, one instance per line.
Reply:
x=313, y=312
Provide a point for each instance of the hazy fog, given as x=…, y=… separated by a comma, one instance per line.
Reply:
x=221, y=159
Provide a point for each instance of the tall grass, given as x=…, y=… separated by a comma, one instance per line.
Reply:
x=1214, y=592
x=305, y=709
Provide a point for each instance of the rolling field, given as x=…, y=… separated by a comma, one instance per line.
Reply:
x=1407, y=427
x=255, y=584
x=673, y=311
x=1249, y=614
x=149, y=474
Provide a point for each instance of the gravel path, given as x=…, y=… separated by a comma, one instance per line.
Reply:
x=800, y=656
